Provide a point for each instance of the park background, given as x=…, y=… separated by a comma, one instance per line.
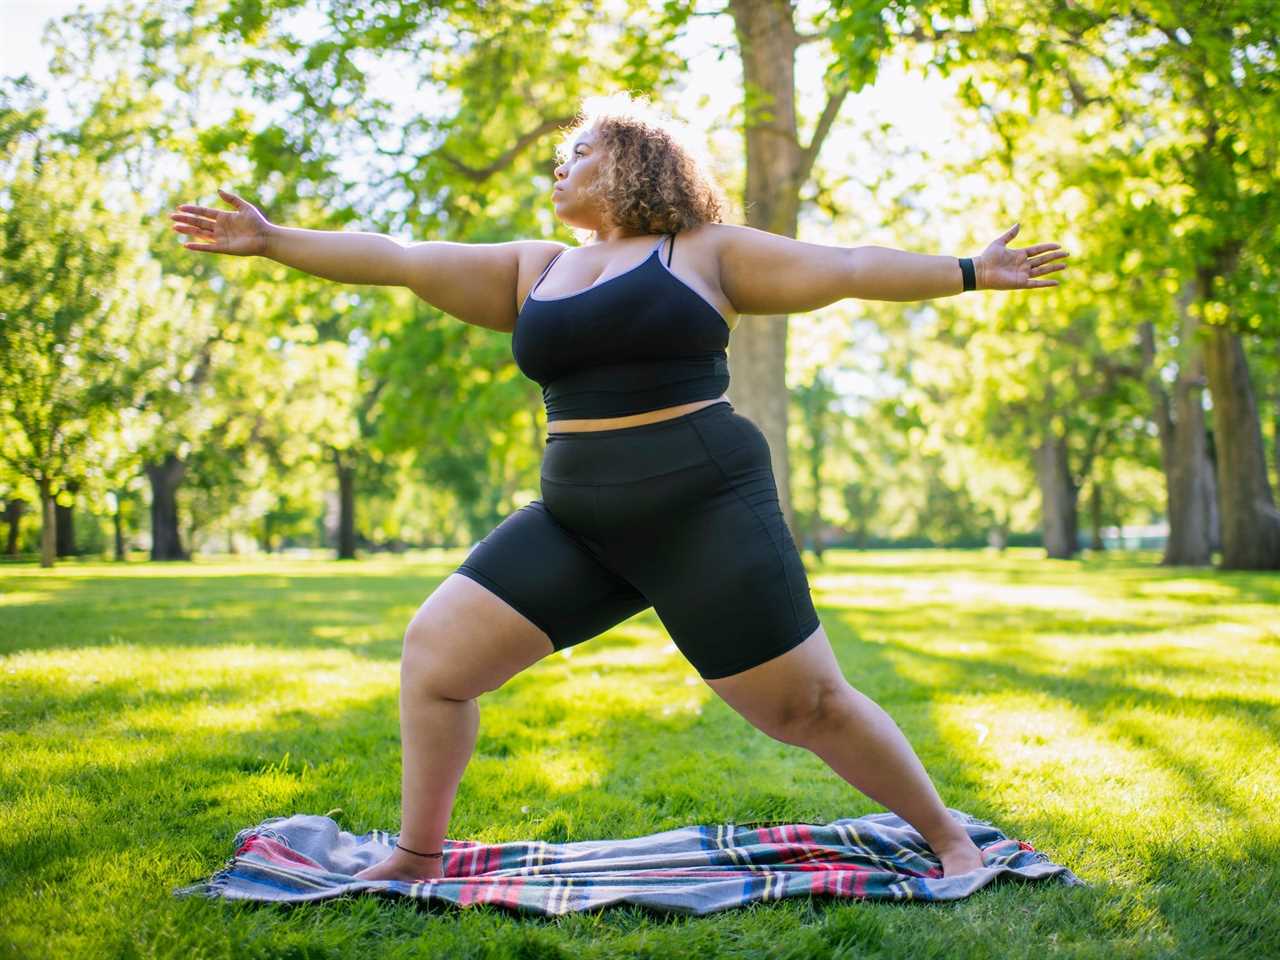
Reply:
x=246, y=424
x=158, y=400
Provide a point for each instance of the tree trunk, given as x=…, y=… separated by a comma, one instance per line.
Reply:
x=165, y=477
x=1095, y=516
x=998, y=536
x=778, y=165
x=118, y=521
x=1189, y=478
x=766, y=39
x=13, y=511
x=1211, y=484
x=1057, y=497
x=49, y=523
x=814, y=404
x=66, y=536
x=815, y=477
x=1183, y=451
x=1250, y=521
x=346, y=507
x=1275, y=427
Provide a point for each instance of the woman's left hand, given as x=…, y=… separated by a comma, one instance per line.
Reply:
x=1000, y=268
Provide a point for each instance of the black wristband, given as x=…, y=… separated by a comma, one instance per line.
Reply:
x=967, y=274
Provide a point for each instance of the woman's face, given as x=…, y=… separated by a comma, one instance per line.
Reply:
x=570, y=201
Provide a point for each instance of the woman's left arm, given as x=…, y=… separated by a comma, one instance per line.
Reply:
x=766, y=273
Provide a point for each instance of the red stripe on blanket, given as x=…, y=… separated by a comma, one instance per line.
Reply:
x=275, y=852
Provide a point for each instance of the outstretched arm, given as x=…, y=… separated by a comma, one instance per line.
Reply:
x=475, y=282
x=764, y=273
x=345, y=256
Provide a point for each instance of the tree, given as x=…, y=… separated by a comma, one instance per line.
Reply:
x=816, y=400
x=62, y=326
x=1204, y=82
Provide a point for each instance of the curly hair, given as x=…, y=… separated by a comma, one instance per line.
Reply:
x=654, y=177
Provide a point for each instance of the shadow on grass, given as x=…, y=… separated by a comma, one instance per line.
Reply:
x=951, y=619
x=1115, y=574
x=1205, y=898
x=361, y=614
x=164, y=789
x=1096, y=689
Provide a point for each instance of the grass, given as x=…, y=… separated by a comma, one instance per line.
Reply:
x=1123, y=718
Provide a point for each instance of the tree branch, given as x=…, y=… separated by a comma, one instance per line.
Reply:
x=480, y=174
x=1078, y=94
x=829, y=113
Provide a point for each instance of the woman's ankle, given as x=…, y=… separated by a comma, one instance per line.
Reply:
x=953, y=838
x=421, y=867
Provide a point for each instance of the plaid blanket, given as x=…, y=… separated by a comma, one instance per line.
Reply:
x=694, y=870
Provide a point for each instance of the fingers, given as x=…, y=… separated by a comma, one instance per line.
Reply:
x=1041, y=248
x=200, y=211
x=210, y=247
x=1040, y=270
x=210, y=212
x=1046, y=257
x=1042, y=283
x=198, y=222
x=1009, y=234
x=195, y=232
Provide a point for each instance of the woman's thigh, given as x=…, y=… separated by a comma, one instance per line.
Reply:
x=526, y=590
x=551, y=577
x=465, y=641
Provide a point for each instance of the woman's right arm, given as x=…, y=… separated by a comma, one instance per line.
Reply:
x=347, y=256
x=475, y=282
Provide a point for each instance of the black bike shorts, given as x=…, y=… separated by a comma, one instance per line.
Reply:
x=681, y=515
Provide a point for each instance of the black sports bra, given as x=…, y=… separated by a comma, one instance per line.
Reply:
x=641, y=340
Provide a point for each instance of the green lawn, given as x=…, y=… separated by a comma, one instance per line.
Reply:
x=1123, y=718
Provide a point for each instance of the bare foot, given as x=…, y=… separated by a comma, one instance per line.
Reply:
x=959, y=857
x=404, y=866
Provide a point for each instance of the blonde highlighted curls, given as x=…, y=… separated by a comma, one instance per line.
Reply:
x=653, y=177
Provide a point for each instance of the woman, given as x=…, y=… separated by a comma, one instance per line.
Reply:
x=655, y=491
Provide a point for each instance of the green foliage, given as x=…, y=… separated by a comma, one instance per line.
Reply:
x=446, y=392
x=66, y=314
x=1142, y=138
x=1173, y=127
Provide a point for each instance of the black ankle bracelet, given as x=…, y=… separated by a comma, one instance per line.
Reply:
x=416, y=853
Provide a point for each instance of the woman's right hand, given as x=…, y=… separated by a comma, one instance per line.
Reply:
x=241, y=232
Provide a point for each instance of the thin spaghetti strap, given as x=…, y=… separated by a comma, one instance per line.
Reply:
x=545, y=269
x=671, y=249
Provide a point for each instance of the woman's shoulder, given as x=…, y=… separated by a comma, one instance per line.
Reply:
x=709, y=236
x=702, y=232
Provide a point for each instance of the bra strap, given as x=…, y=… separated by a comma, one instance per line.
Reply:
x=670, y=248
x=545, y=269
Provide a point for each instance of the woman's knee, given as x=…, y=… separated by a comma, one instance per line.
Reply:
x=424, y=672
x=791, y=695
x=795, y=717
x=464, y=642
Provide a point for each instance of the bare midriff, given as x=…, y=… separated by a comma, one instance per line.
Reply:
x=634, y=420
